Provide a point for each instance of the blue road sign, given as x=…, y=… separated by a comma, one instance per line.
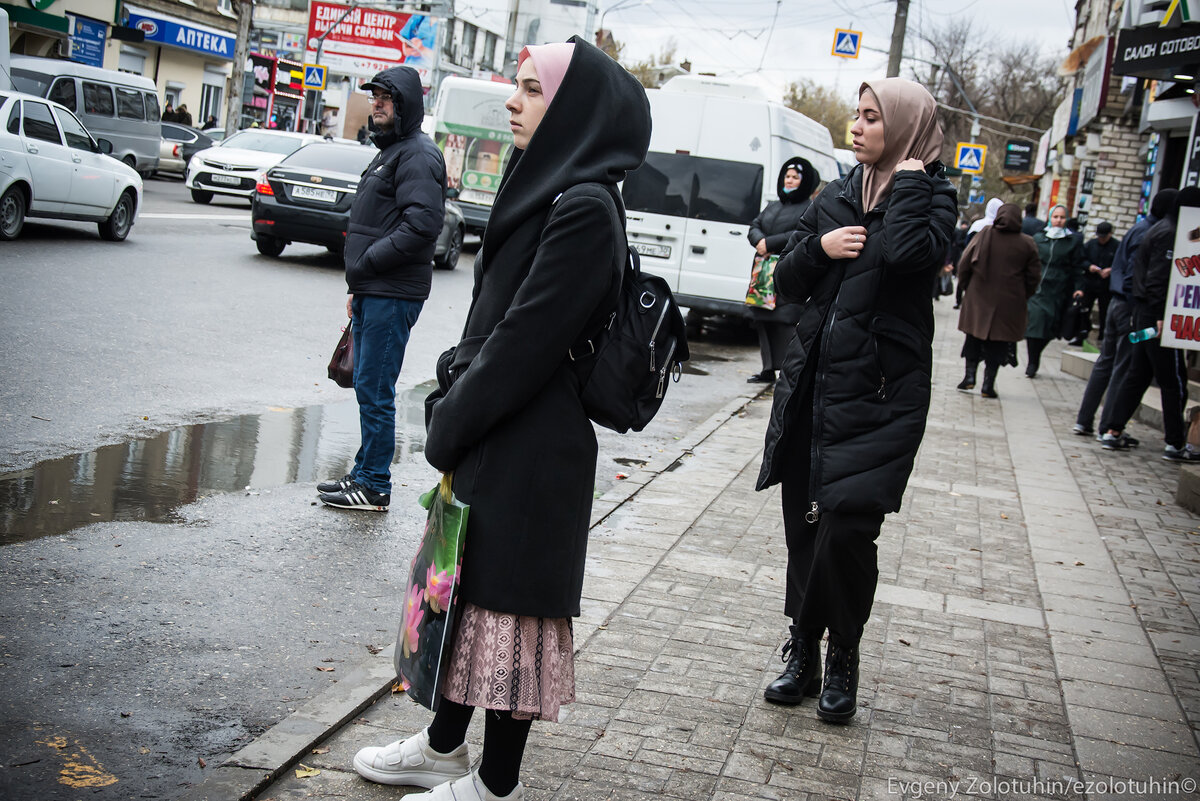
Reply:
x=970, y=157
x=314, y=76
x=846, y=43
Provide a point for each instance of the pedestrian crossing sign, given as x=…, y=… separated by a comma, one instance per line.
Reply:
x=314, y=77
x=846, y=43
x=970, y=157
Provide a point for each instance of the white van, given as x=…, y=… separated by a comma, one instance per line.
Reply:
x=117, y=106
x=716, y=148
x=471, y=128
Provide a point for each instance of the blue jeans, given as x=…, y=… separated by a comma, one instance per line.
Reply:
x=381, y=331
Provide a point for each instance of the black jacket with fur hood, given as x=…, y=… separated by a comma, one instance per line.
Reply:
x=398, y=212
x=511, y=425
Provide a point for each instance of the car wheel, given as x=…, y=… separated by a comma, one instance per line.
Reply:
x=12, y=213
x=449, y=259
x=200, y=196
x=130, y=161
x=269, y=245
x=117, y=226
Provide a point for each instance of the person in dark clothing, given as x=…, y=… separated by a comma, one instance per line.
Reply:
x=394, y=224
x=182, y=115
x=1030, y=224
x=851, y=400
x=1099, y=251
x=958, y=245
x=769, y=234
x=1000, y=270
x=508, y=421
x=1115, y=348
x=1150, y=359
x=364, y=135
x=210, y=123
x=169, y=114
x=1062, y=258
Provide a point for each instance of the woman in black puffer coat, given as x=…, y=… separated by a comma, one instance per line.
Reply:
x=850, y=404
x=769, y=233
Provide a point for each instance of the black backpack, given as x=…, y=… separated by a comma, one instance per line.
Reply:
x=625, y=368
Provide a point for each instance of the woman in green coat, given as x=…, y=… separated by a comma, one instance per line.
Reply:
x=1063, y=265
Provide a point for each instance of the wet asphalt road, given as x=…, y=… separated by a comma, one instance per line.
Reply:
x=168, y=587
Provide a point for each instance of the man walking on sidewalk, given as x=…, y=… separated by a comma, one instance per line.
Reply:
x=394, y=225
x=1113, y=364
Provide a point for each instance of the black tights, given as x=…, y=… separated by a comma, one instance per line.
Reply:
x=1034, y=347
x=503, y=742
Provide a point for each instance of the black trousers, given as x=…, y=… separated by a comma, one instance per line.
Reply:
x=832, y=567
x=1150, y=360
x=773, y=339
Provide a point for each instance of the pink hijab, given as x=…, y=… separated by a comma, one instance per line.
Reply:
x=551, y=62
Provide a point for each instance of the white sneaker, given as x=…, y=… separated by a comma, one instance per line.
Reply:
x=412, y=762
x=468, y=788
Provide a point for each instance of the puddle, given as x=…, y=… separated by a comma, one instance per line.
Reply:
x=148, y=479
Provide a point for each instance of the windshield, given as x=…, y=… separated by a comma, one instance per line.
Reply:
x=351, y=159
x=33, y=83
x=268, y=143
x=696, y=188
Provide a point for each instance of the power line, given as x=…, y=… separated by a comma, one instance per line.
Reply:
x=770, y=32
x=966, y=113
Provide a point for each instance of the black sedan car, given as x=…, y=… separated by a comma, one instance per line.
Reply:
x=179, y=144
x=306, y=197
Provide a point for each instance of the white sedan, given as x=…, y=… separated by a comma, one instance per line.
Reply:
x=231, y=167
x=50, y=166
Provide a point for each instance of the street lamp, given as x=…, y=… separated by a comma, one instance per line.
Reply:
x=620, y=4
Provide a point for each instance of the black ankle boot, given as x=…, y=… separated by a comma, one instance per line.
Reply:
x=801, y=677
x=968, y=382
x=988, y=390
x=839, y=698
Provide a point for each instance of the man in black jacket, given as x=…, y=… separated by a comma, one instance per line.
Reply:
x=393, y=229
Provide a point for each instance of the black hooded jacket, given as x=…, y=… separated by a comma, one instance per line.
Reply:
x=510, y=424
x=400, y=206
x=850, y=404
x=780, y=218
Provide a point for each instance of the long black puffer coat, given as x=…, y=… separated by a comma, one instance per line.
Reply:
x=511, y=425
x=776, y=223
x=400, y=206
x=864, y=341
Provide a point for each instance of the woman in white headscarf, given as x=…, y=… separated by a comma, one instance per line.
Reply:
x=989, y=217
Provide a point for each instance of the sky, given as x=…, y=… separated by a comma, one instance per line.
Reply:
x=773, y=43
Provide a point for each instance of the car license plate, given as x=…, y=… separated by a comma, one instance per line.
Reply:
x=658, y=251
x=229, y=180
x=312, y=193
x=475, y=196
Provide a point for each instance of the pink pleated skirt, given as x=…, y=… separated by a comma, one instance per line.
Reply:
x=523, y=665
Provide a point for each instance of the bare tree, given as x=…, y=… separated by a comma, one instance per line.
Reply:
x=648, y=71
x=823, y=105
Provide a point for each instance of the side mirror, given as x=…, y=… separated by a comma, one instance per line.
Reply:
x=451, y=193
x=104, y=146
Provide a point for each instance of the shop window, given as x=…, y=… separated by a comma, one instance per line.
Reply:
x=130, y=105
x=39, y=124
x=467, y=58
x=489, y=51
x=76, y=135
x=97, y=99
x=210, y=103
x=63, y=92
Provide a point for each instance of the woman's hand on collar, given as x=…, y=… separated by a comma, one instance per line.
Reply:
x=911, y=164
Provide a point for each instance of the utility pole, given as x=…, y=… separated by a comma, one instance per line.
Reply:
x=898, y=29
x=237, y=78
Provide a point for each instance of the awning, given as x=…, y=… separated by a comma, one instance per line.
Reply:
x=1019, y=180
x=32, y=18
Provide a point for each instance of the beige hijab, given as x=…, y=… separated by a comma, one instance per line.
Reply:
x=910, y=130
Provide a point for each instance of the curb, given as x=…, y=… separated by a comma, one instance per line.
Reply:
x=254, y=768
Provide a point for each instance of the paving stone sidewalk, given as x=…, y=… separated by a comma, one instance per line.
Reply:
x=1034, y=633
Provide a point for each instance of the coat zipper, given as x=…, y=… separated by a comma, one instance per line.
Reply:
x=657, y=327
x=814, y=512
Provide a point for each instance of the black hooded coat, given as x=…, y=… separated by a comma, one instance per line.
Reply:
x=776, y=222
x=400, y=206
x=510, y=423
x=863, y=350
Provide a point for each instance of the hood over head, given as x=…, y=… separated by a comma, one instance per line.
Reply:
x=596, y=130
x=910, y=130
x=809, y=178
x=1163, y=202
x=1008, y=218
x=1188, y=196
x=408, y=98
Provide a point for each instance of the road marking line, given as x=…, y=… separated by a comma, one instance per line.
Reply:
x=166, y=216
x=80, y=768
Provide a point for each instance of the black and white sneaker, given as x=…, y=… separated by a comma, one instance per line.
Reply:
x=356, y=496
x=341, y=485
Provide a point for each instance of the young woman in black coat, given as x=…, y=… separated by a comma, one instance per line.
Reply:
x=769, y=233
x=507, y=420
x=850, y=404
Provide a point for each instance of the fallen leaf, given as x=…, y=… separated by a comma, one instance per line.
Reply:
x=905, y=642
x=200, y=761
x=1079, y=564
x=322, y=750
x=374, y=649
x=143, y=750
x=326, y=670
x=1003, y=516
x=305, y=772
